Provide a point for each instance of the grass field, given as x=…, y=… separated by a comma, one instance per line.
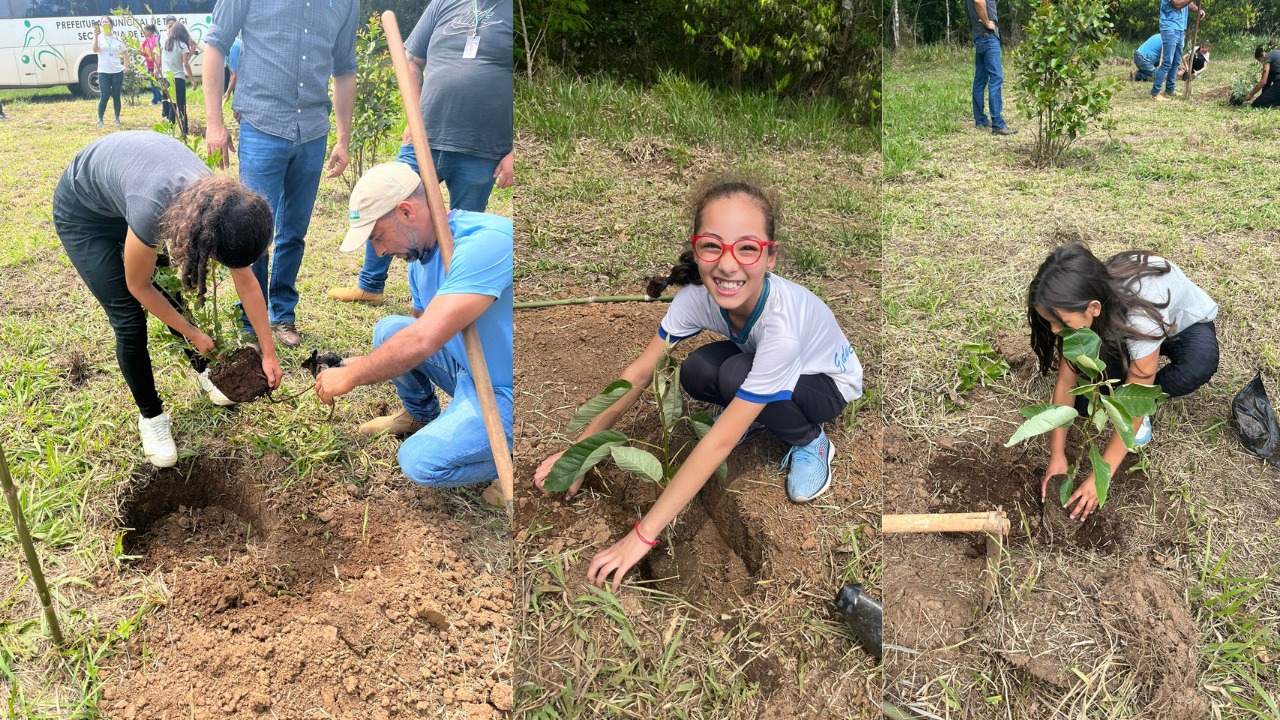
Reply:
x=69, y=431
x=968, y=219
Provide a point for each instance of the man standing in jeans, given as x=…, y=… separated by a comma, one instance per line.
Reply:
x=291, y=49
x=1173, y=25
x=467, y=107
x=987, y=72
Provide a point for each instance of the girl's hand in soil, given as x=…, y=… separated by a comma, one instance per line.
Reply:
x=271, y=368
x=616, y=561
x=540, y=476
x=1057, y=466
x=1087, y=494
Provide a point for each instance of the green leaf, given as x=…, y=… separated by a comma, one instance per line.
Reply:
x=1064, y=491
x=580, y=458
x=1120, y=419
x=673, y=401
x=1138, y=400
x=1101, y=474
x=701, y=424
x=598, y=404
x=637, y=461
x=1034, y=410
x=1091, y=367
x=1052, y=418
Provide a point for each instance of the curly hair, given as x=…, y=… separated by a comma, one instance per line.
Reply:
x=710, y=189
x=215, y=218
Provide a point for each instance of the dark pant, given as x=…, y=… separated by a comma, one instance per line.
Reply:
x=95, y=245
x=1193, y=359
x=109, y=85
x=176, y=112
x=713, y=373
x=1269, y=97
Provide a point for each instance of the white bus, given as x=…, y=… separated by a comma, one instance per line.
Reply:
x=47, y=43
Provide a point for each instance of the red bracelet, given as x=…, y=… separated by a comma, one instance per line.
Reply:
x=643, y=539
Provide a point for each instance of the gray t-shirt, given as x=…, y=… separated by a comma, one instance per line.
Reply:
x=134, y=175
x=1273, y=59
x=467, y=103
x=1188, y=305
x=976, y=28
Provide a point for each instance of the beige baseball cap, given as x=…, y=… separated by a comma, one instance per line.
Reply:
x=377, y=193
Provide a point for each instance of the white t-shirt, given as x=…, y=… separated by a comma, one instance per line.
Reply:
x=171, y=60
x=790, y=333
x=1188, y=305
x=109, y=49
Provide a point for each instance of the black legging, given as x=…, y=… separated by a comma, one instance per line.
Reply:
x=180, y=104
x=95, y=245
x=109, y=85
x=713, y=373
x=1193, y=359
x=1269, y=97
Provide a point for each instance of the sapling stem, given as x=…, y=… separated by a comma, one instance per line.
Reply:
x=529, y=305
x=33, y=560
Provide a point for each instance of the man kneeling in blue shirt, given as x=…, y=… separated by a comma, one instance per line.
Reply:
x=446, y=448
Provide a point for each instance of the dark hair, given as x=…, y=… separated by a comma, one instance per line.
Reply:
x=1259, y=52
x=215, y=218
x=718, y=187
x=150, y=28
x=178, y=34
x=1071, y=278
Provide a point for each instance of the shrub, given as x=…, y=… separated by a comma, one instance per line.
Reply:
x=378, y=109
x=1066, y=44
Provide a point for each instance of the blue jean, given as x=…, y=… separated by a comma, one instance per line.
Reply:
x=453, y=449
x=469, y=179
x=287, y=174
x=1146, y=70
x=1167, y=73
x=988, y=75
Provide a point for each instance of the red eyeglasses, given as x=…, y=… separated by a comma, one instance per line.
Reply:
x=744, y=251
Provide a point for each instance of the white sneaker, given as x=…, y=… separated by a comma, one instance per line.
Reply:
x=215, y=395
x=157, y=441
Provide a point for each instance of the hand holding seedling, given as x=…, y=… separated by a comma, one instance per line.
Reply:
x=271, y=368
x=540, y=476
x=203, y=343
x=1087, y=494
x=335, y=382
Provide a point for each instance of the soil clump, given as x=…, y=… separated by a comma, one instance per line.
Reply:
x=239, y=375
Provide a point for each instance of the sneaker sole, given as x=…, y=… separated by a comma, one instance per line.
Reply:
x=826, y=485
x=163, y=462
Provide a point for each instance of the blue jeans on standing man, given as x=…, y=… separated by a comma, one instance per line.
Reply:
x=469, y=179
x=1146, y=69
x=287, y=174
x=453, y=449
x=1171, y=49
x=987, y=75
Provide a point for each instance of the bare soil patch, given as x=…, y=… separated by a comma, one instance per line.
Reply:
x=337, y=601
x=753, y=569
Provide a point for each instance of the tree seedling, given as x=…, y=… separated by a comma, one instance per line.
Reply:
x=1112, y=407
x=628, y=453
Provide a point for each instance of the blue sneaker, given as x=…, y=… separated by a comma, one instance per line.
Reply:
x=1143, y=435
x=810, y=473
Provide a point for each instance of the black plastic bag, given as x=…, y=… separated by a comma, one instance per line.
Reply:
x=1256, y=420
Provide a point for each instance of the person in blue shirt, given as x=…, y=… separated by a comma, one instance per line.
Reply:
x=450, y=447
x=1147, y=58
x=1173, y=28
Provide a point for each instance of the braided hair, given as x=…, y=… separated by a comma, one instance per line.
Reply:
x=718, y=187
x=215, y=218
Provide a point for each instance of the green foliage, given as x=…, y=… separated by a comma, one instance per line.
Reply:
x=763, y=38
x=378, y=111
x=1243, y=83
x=1112, y=411
x=203, y=315
x=980, y=366
x=610, y=444
x=1062, y=90
x=1136, y=19
x=539, y=23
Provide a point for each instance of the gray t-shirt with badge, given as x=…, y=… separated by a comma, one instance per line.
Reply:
x=1188, y=305
x=467, y=102
x=134, y=175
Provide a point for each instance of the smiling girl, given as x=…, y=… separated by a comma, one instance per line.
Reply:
x=1142, y=306
x=785, y=364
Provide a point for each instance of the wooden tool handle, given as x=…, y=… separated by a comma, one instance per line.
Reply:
x=410, y=93
x=993, y=522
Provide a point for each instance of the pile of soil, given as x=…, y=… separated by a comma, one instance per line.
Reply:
x=341, y=602
x=239, y=375
x=738, y=547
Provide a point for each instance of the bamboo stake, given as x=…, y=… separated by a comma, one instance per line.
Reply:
x=993, y=522
x=1191, y=59
x=410, y=94
x=33, y=560
x=590, y=300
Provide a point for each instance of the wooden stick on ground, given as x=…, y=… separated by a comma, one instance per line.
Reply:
x=993, y=522
x=410, y=92
x=33, y=560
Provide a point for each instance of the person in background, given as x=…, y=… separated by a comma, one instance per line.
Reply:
x=1269, y=84
x=113, y=55
x=175, y=57
x=1146, y=59
x=233, y=67
x=1173, y=29
x=151, y=55
x=988, y=75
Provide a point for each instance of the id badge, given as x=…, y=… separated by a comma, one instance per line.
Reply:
x=473, y=44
